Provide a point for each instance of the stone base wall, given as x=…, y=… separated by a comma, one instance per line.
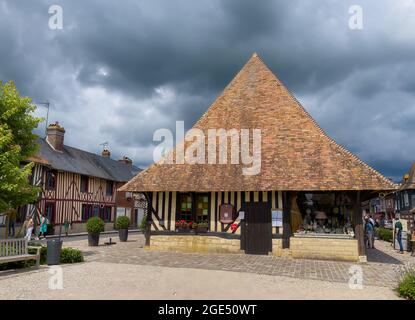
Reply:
x=325, y=249
x=194, y=243
x=308, y=248
x=277, y=249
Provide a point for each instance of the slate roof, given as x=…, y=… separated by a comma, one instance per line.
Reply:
x=296, y=153
x=83, y=162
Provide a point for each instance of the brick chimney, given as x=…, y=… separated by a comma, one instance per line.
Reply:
x=106, y=153
x=126, y=160
x=55, y=136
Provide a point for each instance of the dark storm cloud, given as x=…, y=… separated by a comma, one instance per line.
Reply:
x=120, y=70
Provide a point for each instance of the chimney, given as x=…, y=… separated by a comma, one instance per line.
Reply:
x=55, y=135
x=106, y=153
x=126, y=160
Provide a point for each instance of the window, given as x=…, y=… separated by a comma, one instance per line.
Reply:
x=202, y=207
x=406, y=199
x=185, y=207
x=50, y=211
x=86, y=211
x=95, y=211
x=50, y=180
x=105, y=213
x=84, y=183
x=110, y=188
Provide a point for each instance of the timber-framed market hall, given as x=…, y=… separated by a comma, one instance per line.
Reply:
x=305, y=201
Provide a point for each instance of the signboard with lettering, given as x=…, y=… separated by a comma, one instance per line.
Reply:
x=276, y=218
x=226, y=213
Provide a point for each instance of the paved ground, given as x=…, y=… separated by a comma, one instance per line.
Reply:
x=126, y=270
x=382, y=271
x=101, y=280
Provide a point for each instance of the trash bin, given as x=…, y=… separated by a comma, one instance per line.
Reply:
x=53, y=252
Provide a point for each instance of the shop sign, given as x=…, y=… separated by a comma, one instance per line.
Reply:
x=276, y=218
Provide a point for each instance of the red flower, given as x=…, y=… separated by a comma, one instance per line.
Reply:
x=234, y=226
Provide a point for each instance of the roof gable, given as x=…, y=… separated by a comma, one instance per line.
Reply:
x=296, y=153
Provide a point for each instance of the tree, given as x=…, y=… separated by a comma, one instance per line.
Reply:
x=17, y=144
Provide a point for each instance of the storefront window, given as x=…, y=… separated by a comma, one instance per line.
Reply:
x=185, y=209
x=324, y=213
x=202, y=208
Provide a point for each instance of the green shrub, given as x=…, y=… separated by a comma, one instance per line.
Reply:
x=43, y=253
x=71, y=255
x=95, y=225
x=143, y=223
x=122, y=222
x=406, y=288
x=385, y=234
x=68, y=255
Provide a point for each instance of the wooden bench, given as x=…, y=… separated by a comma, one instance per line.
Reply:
x=12, y=250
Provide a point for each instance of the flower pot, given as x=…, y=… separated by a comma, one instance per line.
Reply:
x=93, y=239
x=53, y=254
x=123, y=234
x=201, y=230
x=183, y=230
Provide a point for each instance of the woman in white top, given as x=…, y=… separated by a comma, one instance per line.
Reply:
x=29, y=228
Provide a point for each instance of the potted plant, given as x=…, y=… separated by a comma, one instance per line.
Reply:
x=94, y=226
x=202, y=227
x=183, y=226
x=122, y=223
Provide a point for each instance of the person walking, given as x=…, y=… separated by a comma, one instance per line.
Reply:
x=12, y=222
x=29, y=228
x=398, y=233
x=66, y=225
x=369, y=232
x=372, y=221
x=43, y=226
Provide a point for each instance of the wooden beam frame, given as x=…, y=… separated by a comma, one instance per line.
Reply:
x=358, y=221
x=286, y=219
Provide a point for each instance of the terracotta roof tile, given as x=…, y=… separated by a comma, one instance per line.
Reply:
x=296, y=153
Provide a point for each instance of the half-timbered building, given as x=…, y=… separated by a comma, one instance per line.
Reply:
x=76, y=185
x=305, y=201
x=405, y=201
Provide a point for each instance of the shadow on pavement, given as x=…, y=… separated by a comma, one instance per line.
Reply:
x=378, y=256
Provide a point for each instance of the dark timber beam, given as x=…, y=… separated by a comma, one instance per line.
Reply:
x=286, y=219
x=358, y=220
x=149, y=213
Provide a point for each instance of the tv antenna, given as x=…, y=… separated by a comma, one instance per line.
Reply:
x=104, y=145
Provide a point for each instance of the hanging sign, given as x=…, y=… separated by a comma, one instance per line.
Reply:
x=276, y=218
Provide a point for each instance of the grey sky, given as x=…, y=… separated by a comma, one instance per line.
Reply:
x=121, y=69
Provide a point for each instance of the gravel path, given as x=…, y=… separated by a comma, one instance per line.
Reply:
x=128, y=271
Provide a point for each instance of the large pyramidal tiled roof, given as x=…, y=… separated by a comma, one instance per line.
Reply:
x=296, y=153
x=410, y=183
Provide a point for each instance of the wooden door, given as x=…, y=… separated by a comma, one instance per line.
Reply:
x=257, y=231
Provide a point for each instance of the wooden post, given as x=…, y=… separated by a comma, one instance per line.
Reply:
x=358, y=220
x=147, y=232
x=286, y=219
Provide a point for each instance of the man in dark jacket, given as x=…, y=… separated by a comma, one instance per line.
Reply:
x=398, y=233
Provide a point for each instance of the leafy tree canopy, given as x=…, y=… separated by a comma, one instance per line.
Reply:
x=17, y=144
